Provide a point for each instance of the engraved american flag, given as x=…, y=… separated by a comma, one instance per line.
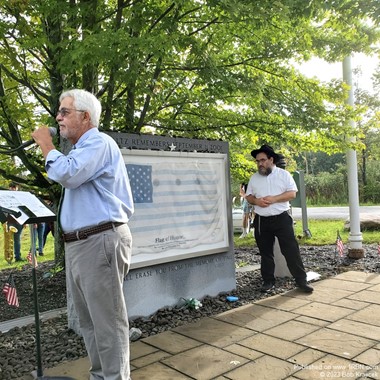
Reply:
x=178, y=205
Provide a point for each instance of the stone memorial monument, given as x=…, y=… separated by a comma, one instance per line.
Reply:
x=182, y=226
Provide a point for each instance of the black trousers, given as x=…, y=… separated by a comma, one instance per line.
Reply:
x=280, y=226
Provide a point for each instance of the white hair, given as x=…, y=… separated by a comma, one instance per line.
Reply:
x=85, y=101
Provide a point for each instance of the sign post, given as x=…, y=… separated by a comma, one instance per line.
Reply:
x=25, y=208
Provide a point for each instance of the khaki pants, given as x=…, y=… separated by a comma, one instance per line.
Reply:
x=95, y=270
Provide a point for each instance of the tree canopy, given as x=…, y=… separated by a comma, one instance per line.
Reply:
x=219, y=69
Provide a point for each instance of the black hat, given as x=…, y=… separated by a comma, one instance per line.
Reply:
x=268, y=150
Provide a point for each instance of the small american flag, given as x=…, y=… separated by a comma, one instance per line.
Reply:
x=10, y=292
x=30, y=259
x=378, y=249
x=339, y=245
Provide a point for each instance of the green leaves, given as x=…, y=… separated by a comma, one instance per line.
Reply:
x=213, y=69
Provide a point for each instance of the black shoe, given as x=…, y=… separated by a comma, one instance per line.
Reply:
x=267, y=286
x=40, y=254
x=20, y=259
x=305, y=287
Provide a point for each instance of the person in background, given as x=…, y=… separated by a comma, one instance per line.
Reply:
x=38, y=231
x=17, y=235
x=247, y=210
x=48, y=226
x=96, y=206
x=269, y=190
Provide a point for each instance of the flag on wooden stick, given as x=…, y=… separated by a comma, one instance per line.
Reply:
x=378, y=249
x=339, y=245
x=10, y=292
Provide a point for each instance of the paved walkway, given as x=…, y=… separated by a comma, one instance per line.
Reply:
x=329, y=334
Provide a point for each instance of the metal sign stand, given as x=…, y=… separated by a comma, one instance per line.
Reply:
x=25, y=208
x=38, y=374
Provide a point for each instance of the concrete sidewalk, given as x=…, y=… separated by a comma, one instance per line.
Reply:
x=331, y=333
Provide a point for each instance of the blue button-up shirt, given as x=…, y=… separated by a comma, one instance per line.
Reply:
x=95, y=178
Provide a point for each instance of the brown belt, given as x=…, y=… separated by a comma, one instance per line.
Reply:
x=84, y=234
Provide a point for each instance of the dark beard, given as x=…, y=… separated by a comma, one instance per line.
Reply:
x=265, y=172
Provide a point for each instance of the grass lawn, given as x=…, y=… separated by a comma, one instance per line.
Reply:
x=324, y=232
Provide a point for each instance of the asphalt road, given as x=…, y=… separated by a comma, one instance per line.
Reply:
x=336, y=213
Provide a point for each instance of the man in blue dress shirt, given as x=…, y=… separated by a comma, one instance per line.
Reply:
x=94, y=212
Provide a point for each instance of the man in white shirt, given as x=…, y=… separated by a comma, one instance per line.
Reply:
x=270, y=190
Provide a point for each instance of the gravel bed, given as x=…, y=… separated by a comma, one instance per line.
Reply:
x=59, y=344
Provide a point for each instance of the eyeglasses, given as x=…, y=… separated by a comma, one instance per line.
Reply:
x=66, y=111
x=261, y=161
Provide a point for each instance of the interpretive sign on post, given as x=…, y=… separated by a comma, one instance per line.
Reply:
x=26, y=207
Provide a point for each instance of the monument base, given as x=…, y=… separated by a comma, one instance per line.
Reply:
x=151, y=288
x=281, y=268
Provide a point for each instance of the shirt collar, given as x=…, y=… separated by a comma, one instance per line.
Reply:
x=85, y=136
